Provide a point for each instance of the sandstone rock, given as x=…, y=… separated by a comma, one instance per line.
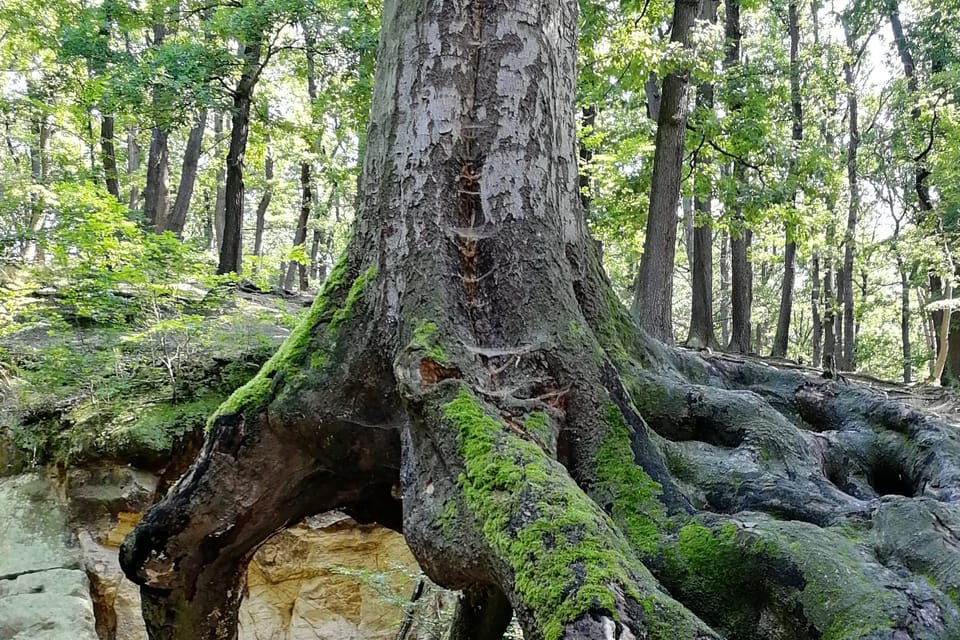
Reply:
x=49, y=605
x=43, y=593
x=299, y=589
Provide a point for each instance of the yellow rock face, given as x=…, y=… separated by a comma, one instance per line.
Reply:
x=298, y=588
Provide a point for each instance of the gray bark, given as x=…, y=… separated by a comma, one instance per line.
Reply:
x=782, y=337
x=188, y=176
x=850, y=237
x=653, y=301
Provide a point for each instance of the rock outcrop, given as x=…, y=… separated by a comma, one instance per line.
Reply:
x=44, y=592
x=325, y=579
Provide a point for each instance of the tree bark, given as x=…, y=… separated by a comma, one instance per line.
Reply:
x=231, y=258
x=157, y=190
x=724, y=288
x=702, y=333
x=468, y=377
x=108, y=152
x=264, y=203
x=220, y=200
x=300, y=234
x=133, y=167
x=39, y=170
x=782, y=336
x=188, y=176
x=653, y=301
x=853, y=207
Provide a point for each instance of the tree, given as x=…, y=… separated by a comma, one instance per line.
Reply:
x=653, y=304
x=790, y=241
x=468, y=377
x=701, y=265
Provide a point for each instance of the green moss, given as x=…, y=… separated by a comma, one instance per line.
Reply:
x=156, y=427
x=566, y=556
x=423, y=339
x=291, y=355
x=537, y=424
x=356, y=290
x=632, y=495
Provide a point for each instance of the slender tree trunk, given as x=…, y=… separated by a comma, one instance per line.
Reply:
x=850, y=237
x=816, y=338
x=109, y=152
x=133, y=167
x=30, y=251
x=220, y=201
x=741, y=271
x=724, y=288
x=905, y=341
x=782, y=336
x=264, y=204
x=300, y=234
x=157, y=191
x=231, y=249
x=188, y=176
x=653, y=301
x=701, y=264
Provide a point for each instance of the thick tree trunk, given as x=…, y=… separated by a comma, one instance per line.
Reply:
x=231, y=257
x=188, y=176
x=108, y=152
x=782, y=336
x=468, y=377
x=653, y=301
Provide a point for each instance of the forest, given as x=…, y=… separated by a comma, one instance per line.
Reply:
x=636, y=319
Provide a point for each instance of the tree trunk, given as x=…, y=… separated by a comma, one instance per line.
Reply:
x=653, y=301
x=108, y=151
x=816, y=337
x=39, y=170
x=724, y=288
x=156, y=193
x=741, y=271
x=702, y=334
x=300, y=234
x=467, y=377
x=133, y=167
x=782, y=336
x=906, y=347
x=188, y=176
x=850, y=237
x=231, y=250
x=264, y=202
x=157, y=190
x=220, y=201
